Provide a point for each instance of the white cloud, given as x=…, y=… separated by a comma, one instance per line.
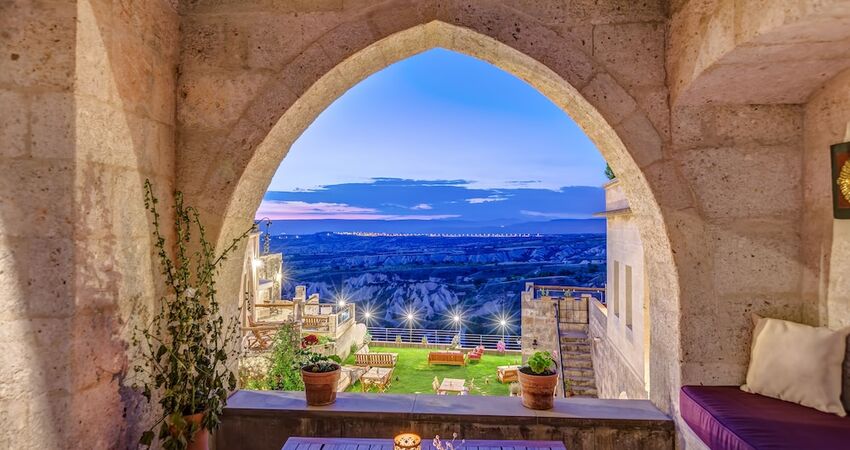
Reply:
x=422, y=206
x=299, y=210
x=554, y=215
x=492, y=198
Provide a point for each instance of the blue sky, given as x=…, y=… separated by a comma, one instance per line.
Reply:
x=439, y=136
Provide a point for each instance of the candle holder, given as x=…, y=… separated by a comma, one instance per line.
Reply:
x=407, y=441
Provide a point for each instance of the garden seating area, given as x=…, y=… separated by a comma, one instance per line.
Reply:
x=413, y=374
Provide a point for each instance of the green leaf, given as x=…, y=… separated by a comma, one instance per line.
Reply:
x=147, y=438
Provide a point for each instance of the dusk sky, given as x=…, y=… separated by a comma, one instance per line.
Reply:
x=439, y=135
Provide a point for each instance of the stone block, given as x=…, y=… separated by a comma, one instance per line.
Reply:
x=693, y=127
x=306, y=68
x=756, y=257
x=216, y=100
x=666, y=182
x=212, y=42
x=612, y=101
x=265, y=45
x=52, y=125
x=132, y=64
x=38, y=42
x=399, y=46
x=14, y=108
x=50, y=278
x=633, y=53
x=724, y=185
x=641, y=139
x=616, y=11
x=654, y=102
x=759, y=124
x=346, y=39
x=35, y=197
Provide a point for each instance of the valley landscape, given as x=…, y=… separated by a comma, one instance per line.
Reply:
x=435, y=276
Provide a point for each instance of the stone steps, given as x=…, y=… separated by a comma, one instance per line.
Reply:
x=573, y=327
x=584, y=382
x=576, y=353
x=584, y=391
x=573, y=347
x=580, y=362
x=585, y=372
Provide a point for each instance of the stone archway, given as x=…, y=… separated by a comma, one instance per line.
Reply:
x=230, y=191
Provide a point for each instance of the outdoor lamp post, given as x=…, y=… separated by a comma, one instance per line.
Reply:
x=410, y=318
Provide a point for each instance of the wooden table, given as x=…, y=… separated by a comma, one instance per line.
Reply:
x=451, y=385
x=376, y=376
x=302, y=443
x=508, y=373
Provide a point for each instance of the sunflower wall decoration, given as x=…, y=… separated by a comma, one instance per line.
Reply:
x=841, y=180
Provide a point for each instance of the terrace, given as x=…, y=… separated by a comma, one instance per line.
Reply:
x=717, y=116
x=413, y=375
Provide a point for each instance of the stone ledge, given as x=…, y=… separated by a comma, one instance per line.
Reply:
x=611, y=412
x=260, y=420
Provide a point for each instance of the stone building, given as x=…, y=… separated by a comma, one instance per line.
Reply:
x=620, y=327
x=716, y=116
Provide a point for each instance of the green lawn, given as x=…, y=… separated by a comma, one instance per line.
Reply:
x=412, y=373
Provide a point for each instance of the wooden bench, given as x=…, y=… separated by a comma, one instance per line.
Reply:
x=375, y=359
x=447, y=358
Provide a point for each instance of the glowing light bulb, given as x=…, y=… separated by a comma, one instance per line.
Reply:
x=409, y=316
x=258, y=263
x=367, y=314
x=503, y=322
x=456, y=318
x=341, y=303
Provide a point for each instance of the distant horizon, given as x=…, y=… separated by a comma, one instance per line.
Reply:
x=439, y=137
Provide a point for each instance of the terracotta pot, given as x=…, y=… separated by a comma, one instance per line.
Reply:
x=538, y=391
x=201, y=439
x=320, y=387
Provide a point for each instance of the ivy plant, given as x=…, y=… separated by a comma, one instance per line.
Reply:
x=187, y=348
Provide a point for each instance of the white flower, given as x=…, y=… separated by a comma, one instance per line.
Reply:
x=190, y=292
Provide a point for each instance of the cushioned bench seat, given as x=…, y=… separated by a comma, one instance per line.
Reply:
x=725, y=417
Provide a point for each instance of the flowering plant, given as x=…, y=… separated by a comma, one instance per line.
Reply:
x=310, y=339
x=187, y=347
x=450, y=445
x=500, y=346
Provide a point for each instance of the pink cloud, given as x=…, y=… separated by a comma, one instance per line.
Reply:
x=298, y=210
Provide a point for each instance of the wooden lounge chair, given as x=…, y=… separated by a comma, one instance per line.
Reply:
x=447, y=358
x=476, y=353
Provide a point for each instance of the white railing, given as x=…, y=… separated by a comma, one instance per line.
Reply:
x=467, y=340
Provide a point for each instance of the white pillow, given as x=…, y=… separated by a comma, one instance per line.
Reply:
x=797, y=363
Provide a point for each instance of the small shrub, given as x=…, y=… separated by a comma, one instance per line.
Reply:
x=398, y=339
x=424, y=340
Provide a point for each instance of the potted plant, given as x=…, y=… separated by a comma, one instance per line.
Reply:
x=186, y=349
x=538, y=379
x=321, y=376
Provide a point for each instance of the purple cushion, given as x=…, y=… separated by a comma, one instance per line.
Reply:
x=725, y=417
